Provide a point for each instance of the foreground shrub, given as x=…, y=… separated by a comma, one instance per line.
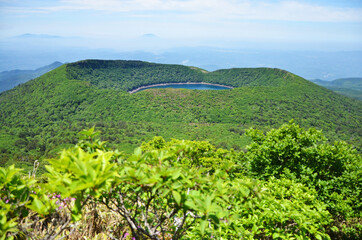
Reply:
x=186, y=190
x=334, y=170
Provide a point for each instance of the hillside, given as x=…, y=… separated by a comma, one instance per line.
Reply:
x=43, y=115
x=10, y=79
x=129, y=75
x=350, y=87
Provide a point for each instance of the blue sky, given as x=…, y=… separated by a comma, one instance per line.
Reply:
x=119, y=24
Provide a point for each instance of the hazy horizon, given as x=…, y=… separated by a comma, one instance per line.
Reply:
x=35, y=33
x=127, y=25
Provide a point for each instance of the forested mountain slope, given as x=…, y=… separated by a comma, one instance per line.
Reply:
x=348, y=83
x=350, y=87
x=47, y=112
x=9, y=79
x=128, y=75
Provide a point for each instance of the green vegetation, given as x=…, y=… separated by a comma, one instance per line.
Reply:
x=10, y=79
x=223, y=181
x=347, y=83
x=129, y=75
x=42, y=116
x=356, y=94
x=190, y=190
x=350, y=87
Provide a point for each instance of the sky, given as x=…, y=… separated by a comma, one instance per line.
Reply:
x=159, y=24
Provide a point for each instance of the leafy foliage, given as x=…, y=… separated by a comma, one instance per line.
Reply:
x=305, y=156
x=19, y=197
x=286, y=210
x=167, y=190
x=301, y=152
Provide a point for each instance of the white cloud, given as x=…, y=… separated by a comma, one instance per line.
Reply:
x=185, y=62
x=195, y=21
x=208, y=9
x=297, y=11
x=225, y=9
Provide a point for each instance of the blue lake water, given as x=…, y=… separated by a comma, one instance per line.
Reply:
x=190, y=86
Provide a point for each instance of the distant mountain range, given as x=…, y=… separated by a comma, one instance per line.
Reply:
x=10, y=79
x=350, y=87
x=39, y=36
x=29, y=51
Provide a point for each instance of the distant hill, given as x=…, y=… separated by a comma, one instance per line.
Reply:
x=33, y=50
x=9, y=79
x=37, y=36
x=350, y=87
x=43, y=115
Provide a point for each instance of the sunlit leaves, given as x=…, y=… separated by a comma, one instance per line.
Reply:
x=186, y=189
x=333, y=169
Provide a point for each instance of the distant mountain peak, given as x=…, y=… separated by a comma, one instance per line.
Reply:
x=30, y=35
x=149, y=35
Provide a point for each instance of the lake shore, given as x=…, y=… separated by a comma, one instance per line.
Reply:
x=180, y=83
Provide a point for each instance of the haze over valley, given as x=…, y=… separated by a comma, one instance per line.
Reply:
x=28, y=53
x=314, y=39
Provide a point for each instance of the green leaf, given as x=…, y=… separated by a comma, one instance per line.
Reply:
x=37, y=206
x=203, y=225
x=137, y=152
x=77, y=210
x=177, y=197
x=276, y=235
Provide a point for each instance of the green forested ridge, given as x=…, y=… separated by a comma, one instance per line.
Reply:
x=128, y=75
x=350, y=87
x=40, y=117
x=9, y=79
x=356, y=94
x=348, y=83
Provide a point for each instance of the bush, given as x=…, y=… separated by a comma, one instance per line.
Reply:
x=305, y=156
